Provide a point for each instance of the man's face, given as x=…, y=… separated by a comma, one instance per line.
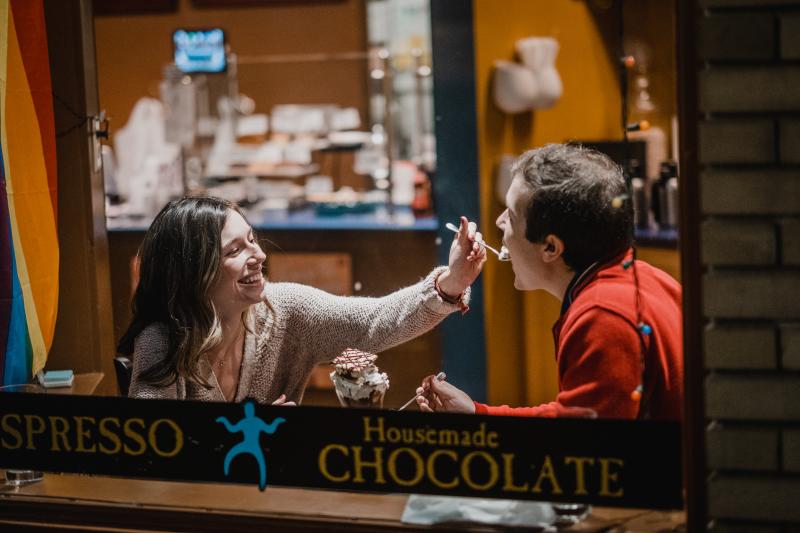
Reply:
x=526, y=256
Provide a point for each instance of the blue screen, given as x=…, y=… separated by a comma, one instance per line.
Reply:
x=199, y=50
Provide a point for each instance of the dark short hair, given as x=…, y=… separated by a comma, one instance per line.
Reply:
x=573, y=191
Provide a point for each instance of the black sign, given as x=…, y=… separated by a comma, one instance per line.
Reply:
x=607, y=462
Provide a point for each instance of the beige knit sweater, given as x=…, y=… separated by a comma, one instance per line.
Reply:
x=308, y=327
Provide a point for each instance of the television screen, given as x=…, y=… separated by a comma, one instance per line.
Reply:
x=199, y=50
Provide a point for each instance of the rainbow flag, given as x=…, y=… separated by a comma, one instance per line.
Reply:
x=28, y=193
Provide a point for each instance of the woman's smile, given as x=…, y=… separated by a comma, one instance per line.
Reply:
x=241, y=281
x=254, y=279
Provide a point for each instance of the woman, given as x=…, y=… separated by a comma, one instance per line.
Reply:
x=206, y=325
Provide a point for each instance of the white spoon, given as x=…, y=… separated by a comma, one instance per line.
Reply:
x=502, y=255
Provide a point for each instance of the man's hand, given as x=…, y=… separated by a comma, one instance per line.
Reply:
x=467, y=257
x=440, y=396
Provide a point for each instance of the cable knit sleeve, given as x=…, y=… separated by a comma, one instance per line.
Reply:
x=324, y=324
x=148, y=348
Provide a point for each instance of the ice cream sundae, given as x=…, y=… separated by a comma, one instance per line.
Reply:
x=358, y=381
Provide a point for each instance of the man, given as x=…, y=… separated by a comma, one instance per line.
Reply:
x=568, y=228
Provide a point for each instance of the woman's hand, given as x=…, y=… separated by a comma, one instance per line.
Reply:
x=282, y=401
x=467, y=257
x=440, y=396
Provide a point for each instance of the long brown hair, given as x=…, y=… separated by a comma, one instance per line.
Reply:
x=178, y=265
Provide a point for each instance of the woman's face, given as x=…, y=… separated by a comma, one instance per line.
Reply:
x=240, y=282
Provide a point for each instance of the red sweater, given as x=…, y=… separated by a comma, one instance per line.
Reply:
x=599, y=351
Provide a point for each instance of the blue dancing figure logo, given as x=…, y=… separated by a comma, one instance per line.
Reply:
x=251, y=427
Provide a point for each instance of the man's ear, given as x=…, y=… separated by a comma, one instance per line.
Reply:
x=553, y=248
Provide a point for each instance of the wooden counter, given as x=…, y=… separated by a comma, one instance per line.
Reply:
x=65, y=502
x=83, y=385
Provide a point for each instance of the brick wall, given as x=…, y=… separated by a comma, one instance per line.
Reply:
x=749, y=154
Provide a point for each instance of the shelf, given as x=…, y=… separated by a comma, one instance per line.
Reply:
x=402, y=219
x=660, y=238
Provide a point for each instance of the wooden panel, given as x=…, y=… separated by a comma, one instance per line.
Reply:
x=83, y=385
x=66, y=502
x=133, y=7
x=127, y=70
x=382, y=262
x=694, y=418
x=331, y=272
x=83, y=338
x=250, y=3
x=666, y=259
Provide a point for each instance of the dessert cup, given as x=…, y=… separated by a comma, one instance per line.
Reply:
x=373, y=401
x=357, y=381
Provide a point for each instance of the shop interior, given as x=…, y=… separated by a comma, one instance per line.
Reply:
x=339, y=127
x=324, y=137
x=328, y=140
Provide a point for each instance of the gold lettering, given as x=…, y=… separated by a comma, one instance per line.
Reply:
x=323, y=463
x=419, y=435
x=430, y=436
x=479, y=437
x=418, y=465
x=580, y=478
x=30, y=431
x=393, y=435
x=56, y=433
x=110, y=435
x=151, y=436
x=80, y=433
x=448, y=436
x=467, y=475
x=431, y=469
x=136, y=437
x=369, y=429
x=606, y=476
x=508, y=475
x=11, y=431
x=465, y=439
x=547, y=472
x=377, y=464
x=491, y=439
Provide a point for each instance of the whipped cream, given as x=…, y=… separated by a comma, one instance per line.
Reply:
x=356, y=376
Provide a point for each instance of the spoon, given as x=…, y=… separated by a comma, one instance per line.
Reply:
x=502, y=255
x=439, y=377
